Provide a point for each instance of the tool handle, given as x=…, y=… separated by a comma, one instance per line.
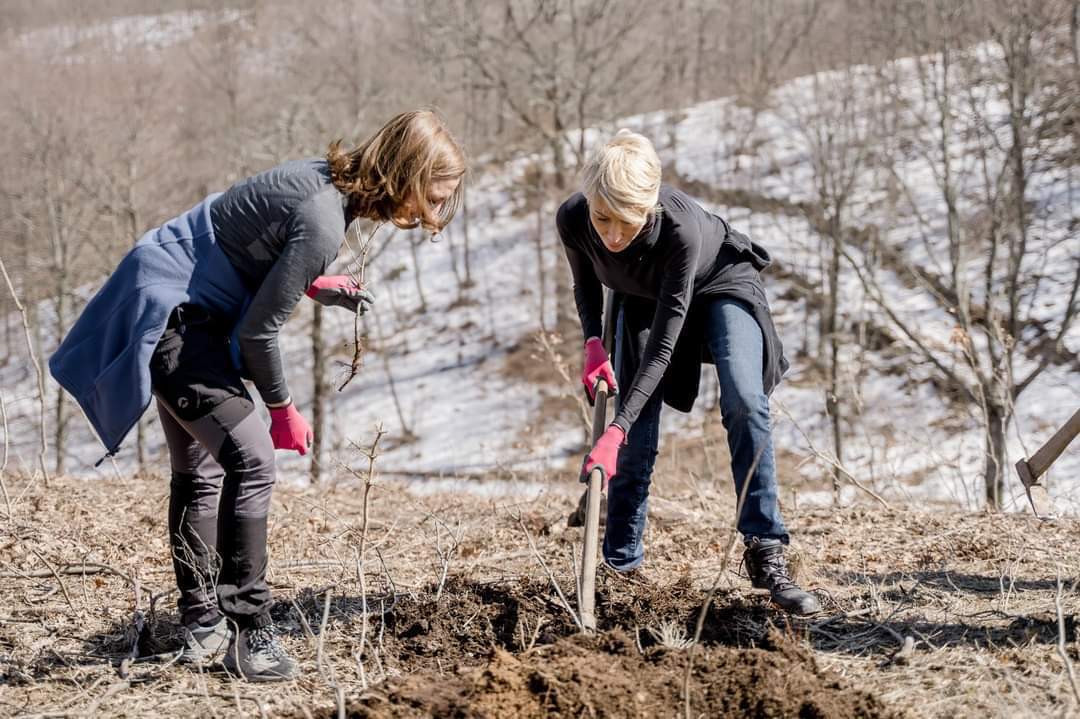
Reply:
x=599, y=416
x=592, y=519
x=589, y=552
x=1045, y=456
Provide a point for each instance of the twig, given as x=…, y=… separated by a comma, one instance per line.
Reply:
x=444, y=556
x=138, y=625
x=53, y=572
x=544, y=339
x=719, y=575
x=577, y=576
x=831, y=459
x=37, y=369
x=357, y=269
x=369, y=478
x=363, y=620
x=558, y=590
x=303, y=621
x=82, y=569
x=322, y=634
x=1061, y=642
x=112, y=691
x=4, y=462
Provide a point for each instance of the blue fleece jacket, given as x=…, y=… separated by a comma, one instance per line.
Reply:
x=104, y=362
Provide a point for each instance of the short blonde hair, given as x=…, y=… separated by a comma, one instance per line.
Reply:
x=625, y=173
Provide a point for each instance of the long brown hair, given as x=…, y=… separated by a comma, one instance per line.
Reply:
x=399, y=161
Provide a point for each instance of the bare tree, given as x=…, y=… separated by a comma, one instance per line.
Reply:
x=554, y=66
x=982, y=273
x=835, y=133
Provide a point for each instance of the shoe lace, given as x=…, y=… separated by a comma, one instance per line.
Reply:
x=264, y=641
x=773, y=566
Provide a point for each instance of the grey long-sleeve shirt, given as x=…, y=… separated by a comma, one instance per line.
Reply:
x=280, y=229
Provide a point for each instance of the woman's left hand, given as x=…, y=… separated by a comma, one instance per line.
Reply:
x=342, y=291
x=604, y=455
x=289, y=430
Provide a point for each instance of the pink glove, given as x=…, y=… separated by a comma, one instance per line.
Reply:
x=604, y=455
x=342, y=291
x=289, y=429
x=597, y=367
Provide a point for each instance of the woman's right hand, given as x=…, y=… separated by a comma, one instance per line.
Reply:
x=597, y=367
x=289, y=429
x=342, y=291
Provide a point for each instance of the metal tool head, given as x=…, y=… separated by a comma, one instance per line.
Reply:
x=1038, y=497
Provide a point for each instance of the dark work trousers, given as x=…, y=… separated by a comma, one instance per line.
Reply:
x=222, y=473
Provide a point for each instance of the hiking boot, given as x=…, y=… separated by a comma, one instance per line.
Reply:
x=203, y=644
x=256, y=655
x=764, y=559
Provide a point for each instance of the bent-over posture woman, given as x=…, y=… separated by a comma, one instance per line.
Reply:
x=195, y=307
x=689, y=288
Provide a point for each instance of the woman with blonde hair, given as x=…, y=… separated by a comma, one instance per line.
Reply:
x=689, y=289
x=194, y=308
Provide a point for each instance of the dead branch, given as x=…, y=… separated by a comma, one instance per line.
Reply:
x=544, y=339
x=369, y=478
x=327, y=598
x=37, y=369
x=831, y=459
x=733, y=537
x=53, y=572
x=1070, y=672
x=4, y=462
x=112, y=691
x=558, y=590
x=79, y=569
x=357, y=269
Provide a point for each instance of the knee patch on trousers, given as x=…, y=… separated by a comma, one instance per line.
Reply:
x=247, y=454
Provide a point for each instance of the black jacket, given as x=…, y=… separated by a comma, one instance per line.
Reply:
x=682, y=258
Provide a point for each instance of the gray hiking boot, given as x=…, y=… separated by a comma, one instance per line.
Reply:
x=764, y=559
x=257, y=655
x=204, y=644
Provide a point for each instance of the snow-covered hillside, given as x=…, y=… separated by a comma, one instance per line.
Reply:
x=471, y=416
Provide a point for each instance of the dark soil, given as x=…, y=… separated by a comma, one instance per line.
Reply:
x=607, y=676
x=513, y=650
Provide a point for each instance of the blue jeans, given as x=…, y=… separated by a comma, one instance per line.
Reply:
x=734, y=338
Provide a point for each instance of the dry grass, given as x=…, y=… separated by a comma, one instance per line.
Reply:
x=452, y=582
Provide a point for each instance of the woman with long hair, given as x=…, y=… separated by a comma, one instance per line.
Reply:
x=196, y=307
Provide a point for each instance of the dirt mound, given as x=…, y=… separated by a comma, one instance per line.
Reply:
x=471, y=619
x=512, y=650
x=607, y=676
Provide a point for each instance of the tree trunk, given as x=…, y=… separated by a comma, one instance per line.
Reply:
x=832, y=402
x=140, y=444
x=413, y=243
x=465, y=234
x=822, y=314
x=564, y=293
x=60, y=435
x=997, y=422
x=318, y=392
x=541, y=275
